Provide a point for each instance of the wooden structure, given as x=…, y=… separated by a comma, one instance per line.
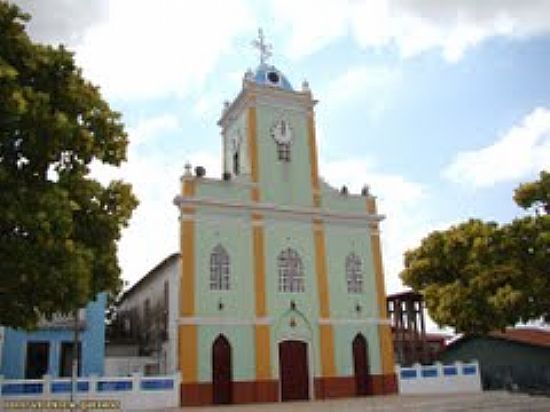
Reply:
x=406, y=313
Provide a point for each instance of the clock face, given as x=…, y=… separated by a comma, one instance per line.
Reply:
x=282, y=132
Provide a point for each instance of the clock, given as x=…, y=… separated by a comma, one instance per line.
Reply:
x=281, y=132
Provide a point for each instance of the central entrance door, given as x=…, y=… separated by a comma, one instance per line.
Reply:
x=293, y=370
x=361, y=365
x=222, y=387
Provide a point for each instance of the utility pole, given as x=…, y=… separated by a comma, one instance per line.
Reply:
x=74, y=374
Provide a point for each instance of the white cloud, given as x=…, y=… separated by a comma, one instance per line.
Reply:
x=151, y=128
x=313, y=24
x=414, y=26
x=359, y=80
x=375, y=85
x=140, y=49
x=208, y=106
x=521, y=151
x=153, y=232
x=62, y=21
x=153, y=49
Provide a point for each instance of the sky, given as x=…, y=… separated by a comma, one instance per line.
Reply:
x=441, y=107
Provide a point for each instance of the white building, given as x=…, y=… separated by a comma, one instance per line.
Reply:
x=143, y=337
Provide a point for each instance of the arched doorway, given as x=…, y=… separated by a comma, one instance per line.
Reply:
x=361, y=365
x=293, y=370
x=222, y=387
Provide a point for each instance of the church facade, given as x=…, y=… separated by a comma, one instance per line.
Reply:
x=282, y=288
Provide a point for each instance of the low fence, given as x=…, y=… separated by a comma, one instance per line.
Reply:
x=439, y=378
x=129, y=393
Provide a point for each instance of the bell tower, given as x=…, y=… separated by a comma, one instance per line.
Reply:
x=268, y=135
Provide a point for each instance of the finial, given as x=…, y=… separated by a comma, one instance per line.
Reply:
x=262, y=46
x=187, y=169
x=305, y=86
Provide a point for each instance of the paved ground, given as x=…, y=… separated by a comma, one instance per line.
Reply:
x=487, y=401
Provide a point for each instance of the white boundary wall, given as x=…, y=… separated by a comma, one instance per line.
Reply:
x=438, y=378
x=127, y=365
x=131, y=393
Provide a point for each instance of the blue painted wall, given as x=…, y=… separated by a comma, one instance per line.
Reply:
x=92, y=339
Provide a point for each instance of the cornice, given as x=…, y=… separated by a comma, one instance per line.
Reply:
x=251, y=94
x=274, y=209
x=218, y=320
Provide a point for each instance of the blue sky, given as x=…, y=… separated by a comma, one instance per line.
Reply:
x=442, y=108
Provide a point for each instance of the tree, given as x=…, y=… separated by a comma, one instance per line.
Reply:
x=535, y=194
x=479, y=276
x=58, y=226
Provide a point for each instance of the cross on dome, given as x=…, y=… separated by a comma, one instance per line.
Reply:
x=262, y=46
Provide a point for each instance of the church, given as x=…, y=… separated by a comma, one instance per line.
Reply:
x=281, y=289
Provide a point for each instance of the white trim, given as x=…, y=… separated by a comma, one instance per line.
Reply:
x=275, y=209
x=217, y=321
x=363, y=321
x=251, y=94
x=243, y=180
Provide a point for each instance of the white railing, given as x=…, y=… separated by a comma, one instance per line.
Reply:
x=439, y=378
x=123, y=393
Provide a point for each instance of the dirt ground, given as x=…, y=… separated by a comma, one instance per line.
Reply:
x=486, y=401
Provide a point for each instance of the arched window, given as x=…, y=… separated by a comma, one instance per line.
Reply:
x=291, y=271
x=354, y=273
x=219, y=269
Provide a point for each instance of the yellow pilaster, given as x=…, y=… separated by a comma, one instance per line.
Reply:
x=188, y=353
x=187, y=284
x=261, y=332
x=326, y=334
x=312, y=143
x=384, y=331
x=259, y=269
x=263, y=352
x=187, y=334
x=252, y=143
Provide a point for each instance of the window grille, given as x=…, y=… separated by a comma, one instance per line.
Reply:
x=354, y=274
x=283, y=150
x=291, y=271
x=219, y=269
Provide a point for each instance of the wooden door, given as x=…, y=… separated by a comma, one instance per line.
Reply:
x=361, y=365
x=293, y=370
x=222, y=386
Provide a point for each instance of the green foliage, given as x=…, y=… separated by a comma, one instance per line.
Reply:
x=535, y=194
x=480, y=276
x=58, y=226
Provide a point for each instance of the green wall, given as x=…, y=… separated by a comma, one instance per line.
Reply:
x=286, y=183
x=502, y=362
x=281, y=184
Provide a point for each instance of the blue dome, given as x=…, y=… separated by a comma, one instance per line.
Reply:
x=267, y=75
